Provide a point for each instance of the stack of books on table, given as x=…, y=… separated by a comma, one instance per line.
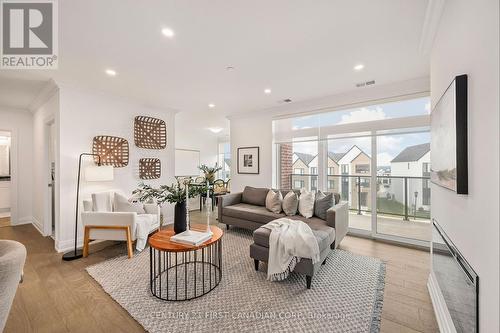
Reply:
x=191, y=237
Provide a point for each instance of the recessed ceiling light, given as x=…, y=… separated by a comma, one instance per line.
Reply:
x=211, y=105
x=229, y=68
x=110, y=72
x=167, y=32
x=215, y=129
x=359, y=67
x=267, y=91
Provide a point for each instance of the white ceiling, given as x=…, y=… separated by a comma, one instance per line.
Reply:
x=299, y=49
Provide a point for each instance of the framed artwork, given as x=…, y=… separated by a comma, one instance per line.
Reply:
x=112, y=150
x=150, y=133
x=149, y=168
x=248, y=160
x=449, y=167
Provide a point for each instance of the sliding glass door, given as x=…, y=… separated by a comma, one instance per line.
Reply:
x=376, y=157
x=403, y=189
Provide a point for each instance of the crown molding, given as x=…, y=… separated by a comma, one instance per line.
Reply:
x=433, y=13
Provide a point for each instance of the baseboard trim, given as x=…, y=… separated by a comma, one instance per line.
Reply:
x=443, y=316
x=68, y=244
x=38, y=225
x=22, y=220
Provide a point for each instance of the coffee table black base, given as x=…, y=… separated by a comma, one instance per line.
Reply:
x=186, y=275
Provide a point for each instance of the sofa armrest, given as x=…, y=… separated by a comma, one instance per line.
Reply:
x=227, y=200
x=153, y=209
x=338, y=217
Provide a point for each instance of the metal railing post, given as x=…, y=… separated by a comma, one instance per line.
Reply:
x=359, y=195
x=406, y=199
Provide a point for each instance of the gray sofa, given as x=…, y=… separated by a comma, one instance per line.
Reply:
x=247, y=210
x=12, y=258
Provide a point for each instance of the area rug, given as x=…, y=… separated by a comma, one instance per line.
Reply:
x=346, y=295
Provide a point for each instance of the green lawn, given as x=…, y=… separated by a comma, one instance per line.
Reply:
x=387, y=206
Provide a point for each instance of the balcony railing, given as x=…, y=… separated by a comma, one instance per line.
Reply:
x=404, y=196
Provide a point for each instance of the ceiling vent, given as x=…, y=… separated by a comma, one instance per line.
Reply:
x=367, y=83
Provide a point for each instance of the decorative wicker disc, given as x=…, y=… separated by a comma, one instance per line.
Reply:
x=150, y=133
x=112, y=150
x=149, y=168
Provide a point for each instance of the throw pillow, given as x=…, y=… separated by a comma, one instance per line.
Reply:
x=101, y=202
x=254, y=196
x=322, y=203
x=290, y=203
x=306, y=203
x=273, y=201
x=121, y=204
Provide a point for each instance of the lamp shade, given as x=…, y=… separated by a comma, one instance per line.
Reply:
x=99, y=173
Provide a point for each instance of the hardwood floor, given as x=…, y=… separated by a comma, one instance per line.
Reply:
x=4, y=221
x=58, y=296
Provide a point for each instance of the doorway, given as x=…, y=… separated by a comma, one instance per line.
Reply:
x=5, y=179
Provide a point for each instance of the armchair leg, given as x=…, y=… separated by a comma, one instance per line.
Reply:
x=227, y=226
x=324, y=262
x=308, y=281
x=86, y=242
x=256, y=262
x=130, y=252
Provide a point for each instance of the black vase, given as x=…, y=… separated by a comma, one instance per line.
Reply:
x=180, y=217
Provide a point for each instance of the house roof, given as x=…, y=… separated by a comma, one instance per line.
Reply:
x=306, y=158
x=412, y=153
x=335, y=156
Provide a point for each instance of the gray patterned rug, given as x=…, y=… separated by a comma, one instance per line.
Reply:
x=346, y=296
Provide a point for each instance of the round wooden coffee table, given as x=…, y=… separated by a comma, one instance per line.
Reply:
x=181, y=272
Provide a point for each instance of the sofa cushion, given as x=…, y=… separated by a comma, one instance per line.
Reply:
x=290, y=203
x=322, y=203
x=273, y=201
x=101, y=202
x=306, y=203
x=121, y=204
x=254, y=196
x=251, y=213
x=324, y=234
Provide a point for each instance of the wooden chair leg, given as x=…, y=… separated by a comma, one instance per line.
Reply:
x=129, y=243
x=86, y=242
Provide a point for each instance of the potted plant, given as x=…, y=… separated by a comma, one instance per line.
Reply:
x=209, y=172
x=175, y=194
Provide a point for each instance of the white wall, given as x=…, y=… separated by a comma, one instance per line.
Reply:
x=252, y=132
x=467, y=42
x=193, y=133
x=85, y=114
x=20, y=124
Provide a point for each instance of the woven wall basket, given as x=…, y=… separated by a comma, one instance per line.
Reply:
x=150, y=133
x=149, y=168
x=112, y=150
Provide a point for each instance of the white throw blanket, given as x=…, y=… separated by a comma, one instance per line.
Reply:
x=289, y=241
x=143, y=226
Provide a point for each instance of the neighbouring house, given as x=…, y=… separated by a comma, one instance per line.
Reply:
x=413, y=165
x=304, y=165
x=355, y=162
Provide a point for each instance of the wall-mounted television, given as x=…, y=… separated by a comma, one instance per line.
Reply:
x=449, y=138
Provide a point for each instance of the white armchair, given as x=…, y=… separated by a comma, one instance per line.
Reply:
x=106, y=218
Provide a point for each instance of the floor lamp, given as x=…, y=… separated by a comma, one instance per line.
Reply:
x=93, y=173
